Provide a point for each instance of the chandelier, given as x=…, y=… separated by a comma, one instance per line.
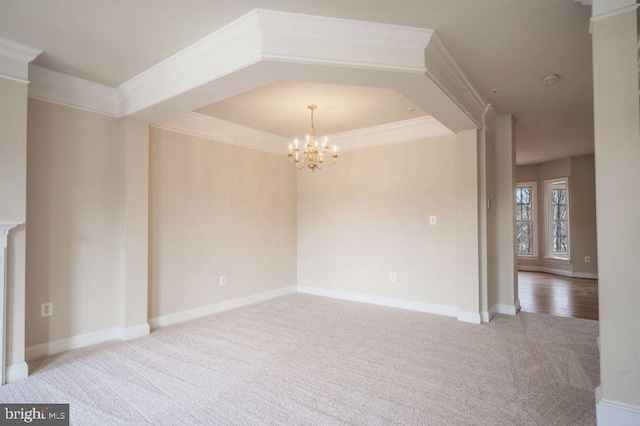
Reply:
x=313, y=154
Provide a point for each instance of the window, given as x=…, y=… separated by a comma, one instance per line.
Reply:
x=525, y=219
x=557, y=202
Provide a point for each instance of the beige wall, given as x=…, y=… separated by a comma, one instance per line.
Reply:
x=504, y=210
x=582, y=212
x=368, y=216
x=491, y=263
x=468, y=273
x=75, y=201
x=217, y=209
x=13, y=150
x=584, y=241
x=135, y=250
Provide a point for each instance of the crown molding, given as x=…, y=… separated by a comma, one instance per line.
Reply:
x=271, y=37
x=15, y=58
x=350, y=43
x=18, y=51
x=63, y=89
x=445, y=71
x=610, y=13
x=205, y=126
x=386, y=134
x=231, y=48
x=490, y=119
x=257, y=36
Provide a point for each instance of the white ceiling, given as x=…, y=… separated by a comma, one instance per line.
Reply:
x=280, y=108
x=507, y=45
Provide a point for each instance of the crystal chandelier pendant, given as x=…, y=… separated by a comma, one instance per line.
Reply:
x=313, y=153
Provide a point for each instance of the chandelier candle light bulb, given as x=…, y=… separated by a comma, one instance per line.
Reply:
x=313, y=154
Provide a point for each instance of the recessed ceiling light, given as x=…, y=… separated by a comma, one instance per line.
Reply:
x=551, y=79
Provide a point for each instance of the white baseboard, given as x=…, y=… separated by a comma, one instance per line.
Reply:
x=610, y=413
x=88, y=339
x=488, y=315
x=450, y=311
x=562, y=272
x=179, y=317
x=16, y=372
x=74, y=342
x=472, y=317
x=507, y=309
x=589, y=275
x=134, y=332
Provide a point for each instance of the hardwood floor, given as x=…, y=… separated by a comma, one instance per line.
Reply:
x=557, y=295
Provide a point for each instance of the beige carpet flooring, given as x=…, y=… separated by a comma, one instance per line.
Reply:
x=305, y=359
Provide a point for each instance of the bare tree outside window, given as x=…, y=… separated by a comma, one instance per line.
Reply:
x=557, y=218
x=525, y=215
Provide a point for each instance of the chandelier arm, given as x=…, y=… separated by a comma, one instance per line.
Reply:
x=335, y=160
x=311, y=154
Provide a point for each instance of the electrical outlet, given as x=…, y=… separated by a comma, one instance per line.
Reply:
x=392, y=277
x=587, y=259
x=432, y=220
x=223, y=280
x=46, y=309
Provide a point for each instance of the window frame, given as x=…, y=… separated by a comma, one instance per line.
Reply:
x=534, y=220
x=549, y=221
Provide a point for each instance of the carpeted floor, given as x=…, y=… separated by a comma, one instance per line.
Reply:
x=305, y=359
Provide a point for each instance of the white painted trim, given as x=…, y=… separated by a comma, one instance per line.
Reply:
x=18, y=51
x=134, y=332
x=5, y=229
x=505, y=309
x=471, y=317
x=385, y=134
x=450, y=311
x=588, y=275
x=17, y=372
x=487, y=316
x=74, y=342
x=179, y=317
x=611, y=13
x=446, y=73
x=614, y=413
x=259, y=35
x=562, y=272
x=63, y=89
x=6, y=76
x=272, y=35
x=116, y=333
x=204, y=126
x=231, y=48
x=309, y=39
x=15, y=58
